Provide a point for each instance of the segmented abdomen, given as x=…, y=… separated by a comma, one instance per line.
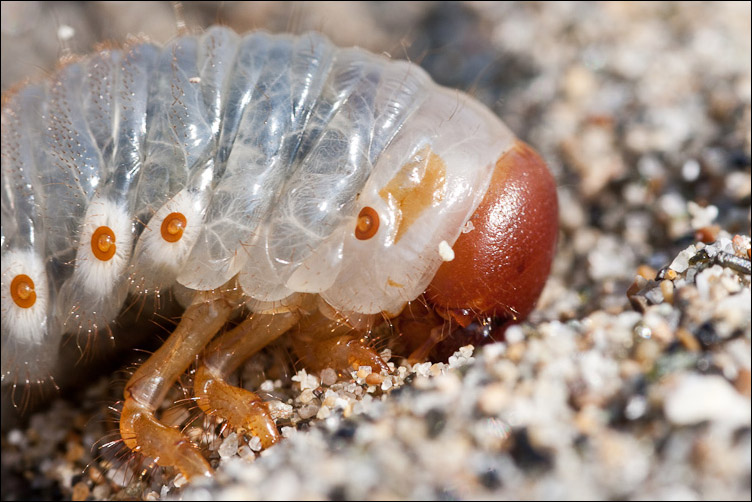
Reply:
x=218, y=155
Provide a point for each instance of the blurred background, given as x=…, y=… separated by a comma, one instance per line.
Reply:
x=641, y=109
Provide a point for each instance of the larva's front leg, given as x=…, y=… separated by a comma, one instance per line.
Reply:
x=243, y=409
x=146, y=389
x=322, y=343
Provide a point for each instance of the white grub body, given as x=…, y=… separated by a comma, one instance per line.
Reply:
x=269, y=145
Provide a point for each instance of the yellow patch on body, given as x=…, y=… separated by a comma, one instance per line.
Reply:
x=419, y=184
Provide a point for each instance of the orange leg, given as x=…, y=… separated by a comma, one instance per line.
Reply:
x=242, y=409
x=146, y=389
x=323, y=343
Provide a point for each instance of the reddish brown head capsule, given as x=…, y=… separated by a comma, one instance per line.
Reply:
x=501, y=266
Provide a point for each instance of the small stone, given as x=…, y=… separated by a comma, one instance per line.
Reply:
x=80, y=491
x=701, y=216
x=514, y=334
x=374, y=379
x=493, y=399
x=707, y=234
x=229, y=446
x=16, y=437
x=636, y=407
x=681, y=262
x=255, y=444
x=306, y=381
x=74, y=451
x=329, y=399
x=690, y=170
x=101, y=492
x=364, y=371
x=445, y=251
x=468, y=227
x=387, y=383
x=306, y=396
x=246, y=453
x=323, y=412
x=655, y=296
x=667, y=288
x=437, y=369
x=695, y=398
x=743, y=382
x=95, y=474
x=646, y=352
x=688, y=340
x=328, y=376
x=515, y=351
x=647, y=272
x=307, y=411
x=279, y=410
x=422, y=369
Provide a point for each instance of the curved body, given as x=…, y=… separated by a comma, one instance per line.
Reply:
x=268, y=145
x=323, y=189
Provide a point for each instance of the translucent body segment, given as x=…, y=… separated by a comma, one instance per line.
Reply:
x=114, y=99
x=326, y=144
x=186, y=102
x=133, y=88
x=318, y=200
x=21, y=218
x=29, y=336
x=72, y=170
x=216, y=55
x=467, y=139
x=156, y=261
x=276, y=83
x=259, y=277
x=251, y=54
x=255, y=166
x=94, y=294
x=99, y=98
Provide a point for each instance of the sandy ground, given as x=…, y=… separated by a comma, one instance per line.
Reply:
x=632, y=378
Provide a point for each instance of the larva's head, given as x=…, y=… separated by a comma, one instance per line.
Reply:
x=501, y=265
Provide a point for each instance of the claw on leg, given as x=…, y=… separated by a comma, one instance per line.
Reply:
x=242, y=409
x=324, y=343
x=143, y=433
x=147, y=387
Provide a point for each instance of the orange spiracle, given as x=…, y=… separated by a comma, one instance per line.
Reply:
x=368, y=223
x=22, y=291
x=103, y=243
x=173, y=227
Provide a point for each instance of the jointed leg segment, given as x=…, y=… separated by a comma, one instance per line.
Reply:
x=320, y=343
x=148, y=386
x=242, y=409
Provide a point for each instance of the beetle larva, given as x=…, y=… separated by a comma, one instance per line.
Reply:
x=317, y=187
